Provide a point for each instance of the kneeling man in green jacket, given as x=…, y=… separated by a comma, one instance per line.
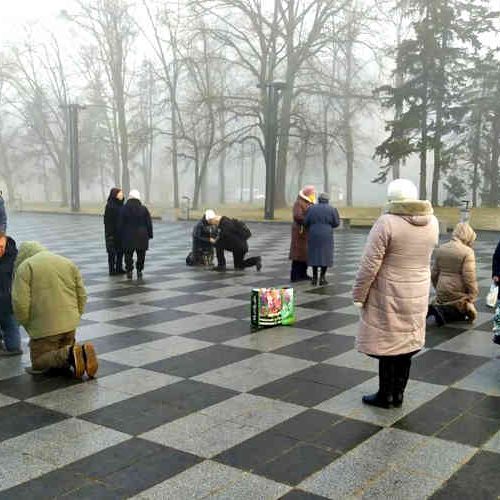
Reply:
x=48, y=297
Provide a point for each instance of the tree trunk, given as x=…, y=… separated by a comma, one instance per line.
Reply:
x=252, y=174
x=222, y=176
x=175, y=165
x=495, y=156
x=436, y=175
x=348, y=135
x=424, y=126
x=324, y=152
x=475, y=161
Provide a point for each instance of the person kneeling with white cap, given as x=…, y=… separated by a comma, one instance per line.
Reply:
x=233, y=236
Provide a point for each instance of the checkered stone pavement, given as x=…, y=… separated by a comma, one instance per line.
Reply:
x=190, y=403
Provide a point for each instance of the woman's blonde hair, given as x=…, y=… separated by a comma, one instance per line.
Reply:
x=464, y=233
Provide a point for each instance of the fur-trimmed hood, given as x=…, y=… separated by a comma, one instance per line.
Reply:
x=416, y=212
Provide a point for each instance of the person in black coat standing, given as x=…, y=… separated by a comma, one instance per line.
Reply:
x=136, y=229
x=8, y=325
x=232, y=235
x=113, y=241
x=320, y=221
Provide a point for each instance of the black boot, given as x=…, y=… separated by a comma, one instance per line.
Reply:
x=322, y=280
x=314, y=280
x=401, y=376
x=111, y=264
x=383, y=398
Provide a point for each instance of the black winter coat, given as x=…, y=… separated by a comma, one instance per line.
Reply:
x=111, y=218
x=202, y=233
x=496, y=262
x=320, y=221
x=135, y=226
x=6, y=274
x=229, y=238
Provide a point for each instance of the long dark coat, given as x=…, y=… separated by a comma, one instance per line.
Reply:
x=6, y=274
x=298, y=246
x=111, y=218
x=135, y=226
x=320, y=221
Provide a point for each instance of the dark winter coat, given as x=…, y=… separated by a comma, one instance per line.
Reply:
x=229, y=238
x=202, y=233
x=135, y=226
x=298, y=247
x=111, y=218
x=320, y=221
x=3, y=216
x=6, y=274
x=496, y=262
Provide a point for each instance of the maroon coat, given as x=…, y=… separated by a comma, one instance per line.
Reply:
x=298, y=247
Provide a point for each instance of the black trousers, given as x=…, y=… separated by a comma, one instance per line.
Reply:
x=394, y=372
x=446, y=314
x=129, y=260
x=299, y=271
x=115, y=260
x=315, y=271
x=239, y=259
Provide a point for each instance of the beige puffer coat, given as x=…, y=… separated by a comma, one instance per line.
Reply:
x=454, y=271
x=394, y=278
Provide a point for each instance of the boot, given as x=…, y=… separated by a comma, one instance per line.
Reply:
x=139, y=275
x=258, y=266
x=322, y=280
x=76, y=360
x=383, y=398
x=401, y=376
x=437, y=315
x=314, y=280
x=111, y=264
x=130, y=275
x=90, y=358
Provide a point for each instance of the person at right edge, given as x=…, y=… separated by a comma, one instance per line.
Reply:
x=48, y=299
x=298, y=245
x=392, y=289
x=3, y=215
x=135, y=229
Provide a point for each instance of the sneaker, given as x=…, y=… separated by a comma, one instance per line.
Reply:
x=323, y=282
x=77, y=360
x=90, y=357
x=121, y=271
x=220, y=269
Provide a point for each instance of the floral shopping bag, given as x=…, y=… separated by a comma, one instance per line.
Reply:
x=496, y=324
x=272, y=307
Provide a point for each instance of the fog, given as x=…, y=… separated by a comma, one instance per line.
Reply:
x=173, y=98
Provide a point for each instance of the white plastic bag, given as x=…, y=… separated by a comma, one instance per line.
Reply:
x=492, y=297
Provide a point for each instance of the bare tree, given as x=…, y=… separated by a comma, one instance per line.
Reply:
x=111, y=25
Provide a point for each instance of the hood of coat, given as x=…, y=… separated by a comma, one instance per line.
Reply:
x=416, y=212
x=465, y=234
x=27, y=250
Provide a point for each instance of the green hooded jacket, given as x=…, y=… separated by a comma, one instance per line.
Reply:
x=48, y=294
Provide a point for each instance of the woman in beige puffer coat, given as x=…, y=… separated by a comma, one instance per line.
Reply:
x=454, y=278
x=392, y=289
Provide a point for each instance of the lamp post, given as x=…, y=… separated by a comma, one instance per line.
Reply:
x=270, y=137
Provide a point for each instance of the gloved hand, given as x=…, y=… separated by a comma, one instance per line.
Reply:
x=359, y=305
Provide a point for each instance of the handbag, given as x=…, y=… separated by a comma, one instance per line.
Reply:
x=272, y=307
x=492, y=297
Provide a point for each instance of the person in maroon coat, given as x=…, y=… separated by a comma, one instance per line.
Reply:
x=298, y=246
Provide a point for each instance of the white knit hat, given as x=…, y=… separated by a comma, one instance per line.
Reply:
x=209, y=215
x=402, y=190
x=134, y=195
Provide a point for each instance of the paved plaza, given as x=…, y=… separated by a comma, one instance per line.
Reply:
x=190, y=403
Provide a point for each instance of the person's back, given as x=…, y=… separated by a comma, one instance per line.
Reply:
x=48, y=298
x=57, y=295
x=449, y=264
x=135, y=226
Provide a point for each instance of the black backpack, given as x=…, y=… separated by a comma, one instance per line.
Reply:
x=242, y=229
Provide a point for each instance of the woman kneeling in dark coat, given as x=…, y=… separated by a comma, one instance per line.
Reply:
x=136, y=229
x=111, y=234
x=320, y=221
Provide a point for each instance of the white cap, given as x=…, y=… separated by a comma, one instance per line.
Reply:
x=134, y=195
x=402, y=190
x=209, y=215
